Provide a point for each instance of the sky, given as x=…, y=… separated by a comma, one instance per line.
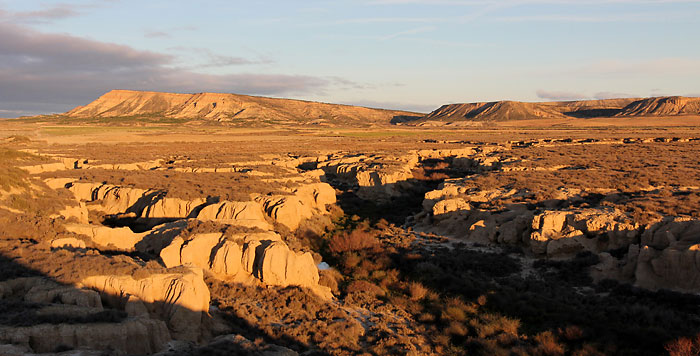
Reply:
x=399, y=54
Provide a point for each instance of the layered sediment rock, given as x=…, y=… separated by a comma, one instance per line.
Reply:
x=249, y=258
x=120, y=238
x=669, y=255
x=181, y=300
x=377, y=177
x=154, y=207
x=63, y=164
x=306, y=201
x=562, y=233
x=130, y=337
x=64, y=301
x=249, y=214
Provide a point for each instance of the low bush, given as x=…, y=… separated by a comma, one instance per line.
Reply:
x=354, y=240
x=684, y=346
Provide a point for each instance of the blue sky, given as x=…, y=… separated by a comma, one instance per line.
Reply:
x=405, y=54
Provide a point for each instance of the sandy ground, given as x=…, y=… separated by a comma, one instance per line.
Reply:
x=53, y=133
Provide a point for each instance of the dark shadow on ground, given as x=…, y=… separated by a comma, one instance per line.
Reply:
x=399, y=119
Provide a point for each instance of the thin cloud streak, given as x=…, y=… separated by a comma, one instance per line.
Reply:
x=611, y=95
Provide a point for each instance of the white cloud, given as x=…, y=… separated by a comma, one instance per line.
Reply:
x=611, y=95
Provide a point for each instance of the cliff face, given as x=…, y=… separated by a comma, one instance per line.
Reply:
x=515, y=110
x=225, y=107
x=663, y=106
x=494, y=111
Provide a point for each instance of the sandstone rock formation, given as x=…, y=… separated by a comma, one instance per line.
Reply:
x=249, y=214
x=44, y=290
x=377, y=177
x=181, y=300
x=561, y=233
x=306, y=201
x=62, y=301
x=246, y=258
x=113, y=199
x=64, y=164
x=668, y=256
x=663, y=106
x=131, y=337
x=119, y=238
x=154, y=207
x=498, y=110
x=135, y=166
x=455, y=114
x=76, y=212
x=163, y=207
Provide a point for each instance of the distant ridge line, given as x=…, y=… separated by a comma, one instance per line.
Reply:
x=231, y=107
x=516, y=110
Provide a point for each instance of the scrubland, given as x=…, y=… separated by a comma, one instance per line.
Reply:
x=484, y=242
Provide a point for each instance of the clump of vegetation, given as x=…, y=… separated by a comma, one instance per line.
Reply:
x=684, y=346
x=355, y=240
x=474, y=302
x=10, y=175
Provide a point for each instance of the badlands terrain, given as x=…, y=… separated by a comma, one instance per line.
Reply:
x=216, y=224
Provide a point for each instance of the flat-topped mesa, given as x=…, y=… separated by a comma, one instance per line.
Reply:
x=494, y=111
x=663, y=106
x=223, y=106
x=514, y=110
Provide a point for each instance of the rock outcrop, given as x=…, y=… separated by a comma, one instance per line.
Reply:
x=44, y=290
x=247, y=258
x=493, y=111
x=663, y=106
x=154, y=207
x=305, y=202
x=64, y=164
x=565, y=233
x=118, y=238
x=168, y=208
x=669, y=256
x=113, y=199
x=478, y=113
x=78, y=213
x=249, y=214
x=64, y=301
x=130, y=337
x=181, y=300
x=377, y=177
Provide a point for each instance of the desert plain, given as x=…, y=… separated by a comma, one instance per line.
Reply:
x=215, y=224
